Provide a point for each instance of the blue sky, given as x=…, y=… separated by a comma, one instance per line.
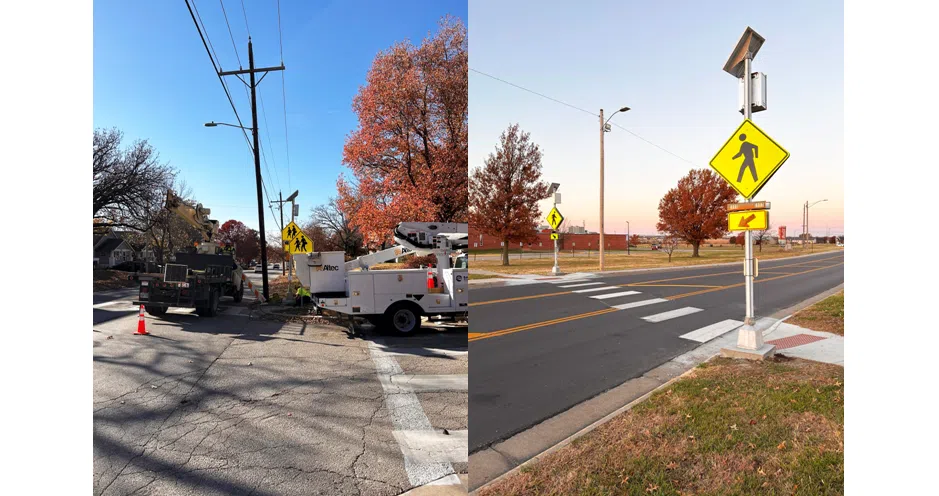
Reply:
x=154, y=80
x=664, y=60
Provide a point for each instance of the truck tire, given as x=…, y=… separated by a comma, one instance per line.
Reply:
x=239, y=293
x=403, y=318
x=155, y=310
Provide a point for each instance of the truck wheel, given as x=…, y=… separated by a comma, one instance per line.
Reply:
x=403, y=318
x=155, y=310
x=239, y=293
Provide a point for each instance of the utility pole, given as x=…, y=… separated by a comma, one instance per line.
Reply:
x=251, y=71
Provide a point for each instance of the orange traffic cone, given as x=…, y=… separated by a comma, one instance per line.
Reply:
x=141, y=323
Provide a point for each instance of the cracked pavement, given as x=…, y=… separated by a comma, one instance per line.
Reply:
x=232, y=405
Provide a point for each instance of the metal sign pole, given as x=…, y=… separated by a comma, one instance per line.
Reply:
x=555, y=270
x=749, y=337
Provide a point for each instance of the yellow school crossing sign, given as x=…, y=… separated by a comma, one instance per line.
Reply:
x=295, y=241
x=554, y=218
x=749, y=159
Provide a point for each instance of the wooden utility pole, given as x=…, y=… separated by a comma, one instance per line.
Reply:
x=251, y=71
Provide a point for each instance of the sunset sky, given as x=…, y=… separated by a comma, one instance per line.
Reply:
x=665, y=62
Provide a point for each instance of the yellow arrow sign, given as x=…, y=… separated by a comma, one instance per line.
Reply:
x=290, y=231
x=748, y=220
x=749, y=159
x=299, y=244
x=554, y=235
x=554, y=218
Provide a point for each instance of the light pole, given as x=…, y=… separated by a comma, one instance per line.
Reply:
x=257, y=173
x=627, y=237
x=806, y=228
x=604, y=128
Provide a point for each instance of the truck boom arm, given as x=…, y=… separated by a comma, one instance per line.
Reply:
x=195, y=215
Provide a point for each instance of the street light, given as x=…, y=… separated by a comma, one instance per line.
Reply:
x=257, y=175
x=604, y=128
x=216, y=124
x=806, y=225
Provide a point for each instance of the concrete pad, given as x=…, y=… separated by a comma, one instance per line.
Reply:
x=762, y=353
x=486, y=465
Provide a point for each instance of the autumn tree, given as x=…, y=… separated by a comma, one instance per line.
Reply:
x=761, y=235
x=247, y=241
x=696, y=210
x=127, y=181
x=505, y=191
x=634, y=240
x=742, y=240
x=408, y=156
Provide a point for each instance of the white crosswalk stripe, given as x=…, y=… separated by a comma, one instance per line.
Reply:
x=615, y=295
x=712, y=331
x=642, y=303
x=579, y=285
x=590, y=290
x=671, y=314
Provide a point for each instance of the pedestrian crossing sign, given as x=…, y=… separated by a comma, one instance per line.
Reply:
x=554, y=235
x=749, y=159
x=554, y=218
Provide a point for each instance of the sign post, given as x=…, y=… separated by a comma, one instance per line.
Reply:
x=747, y=161
x=554, y=220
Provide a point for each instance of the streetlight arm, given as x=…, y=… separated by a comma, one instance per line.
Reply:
x=214, y=124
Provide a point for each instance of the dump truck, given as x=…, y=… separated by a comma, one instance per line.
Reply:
x=193, y=280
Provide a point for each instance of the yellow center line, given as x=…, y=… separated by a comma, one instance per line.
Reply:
x=485, y=335
x=639, y=284
x=518, y=298
x=511, y=330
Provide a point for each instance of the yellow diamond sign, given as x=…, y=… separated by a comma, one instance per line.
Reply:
x=749, y=159
x=554, y=218
x=299, y=244
x=748, y=220
x=289, y=232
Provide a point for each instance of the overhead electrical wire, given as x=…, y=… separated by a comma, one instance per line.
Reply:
x=582, y=110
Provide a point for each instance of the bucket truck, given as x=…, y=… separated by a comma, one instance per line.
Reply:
x=394, y=299
x=194, y=280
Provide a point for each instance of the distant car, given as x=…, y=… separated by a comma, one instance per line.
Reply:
x=276, y=267
x=258, y=269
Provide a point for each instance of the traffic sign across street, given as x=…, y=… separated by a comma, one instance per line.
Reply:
x=749, y=159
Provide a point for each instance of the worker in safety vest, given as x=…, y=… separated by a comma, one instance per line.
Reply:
x=303, y=296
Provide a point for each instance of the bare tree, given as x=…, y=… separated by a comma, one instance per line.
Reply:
x=669, y=243
x=336, y=224
x=127, y=181
x=761, y=235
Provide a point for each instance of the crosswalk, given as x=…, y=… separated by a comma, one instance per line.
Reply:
x=620, y=299
x=435, y=449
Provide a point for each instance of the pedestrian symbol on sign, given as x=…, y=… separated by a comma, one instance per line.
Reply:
x=749, y=152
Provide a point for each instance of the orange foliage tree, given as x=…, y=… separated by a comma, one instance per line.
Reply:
x=696, y=209
x=505, y=191
x=408, y=157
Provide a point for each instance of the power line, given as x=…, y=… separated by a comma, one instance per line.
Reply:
x=215, y=66
x=582, y=110
x=267, y=129
x=280, y=32
x=283, y=89
x=230, y=35
x=246, y=18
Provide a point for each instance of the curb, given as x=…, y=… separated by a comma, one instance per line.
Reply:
x=589, y=428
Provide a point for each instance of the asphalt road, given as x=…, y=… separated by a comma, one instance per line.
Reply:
x=539, y=349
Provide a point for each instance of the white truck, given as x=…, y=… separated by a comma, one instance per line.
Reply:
x=394, y=299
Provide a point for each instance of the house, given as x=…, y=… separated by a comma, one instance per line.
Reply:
x=111, y=249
